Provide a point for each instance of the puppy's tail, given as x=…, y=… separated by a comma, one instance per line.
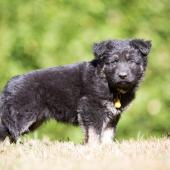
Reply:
x=3, y=129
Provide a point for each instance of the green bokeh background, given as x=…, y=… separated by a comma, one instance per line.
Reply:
x=37, y=34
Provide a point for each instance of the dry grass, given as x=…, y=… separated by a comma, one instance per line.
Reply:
x=45, y=155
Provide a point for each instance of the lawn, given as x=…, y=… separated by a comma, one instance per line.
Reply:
x=151, y=154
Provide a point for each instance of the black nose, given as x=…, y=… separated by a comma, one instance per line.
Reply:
x=122, y=75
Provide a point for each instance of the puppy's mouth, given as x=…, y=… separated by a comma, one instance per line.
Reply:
x=123, y=86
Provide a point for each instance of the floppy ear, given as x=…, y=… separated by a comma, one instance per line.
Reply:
x=101, y=47
x=142, y=45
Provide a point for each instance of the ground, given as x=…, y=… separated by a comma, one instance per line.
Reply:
x=152, y=154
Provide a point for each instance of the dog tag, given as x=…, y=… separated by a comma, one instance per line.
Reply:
x=117, y=103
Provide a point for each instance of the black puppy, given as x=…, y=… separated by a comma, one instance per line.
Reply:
x=92, y=94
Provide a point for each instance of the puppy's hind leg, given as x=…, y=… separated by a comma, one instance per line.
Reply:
x=3, y=131
x=13, y=132
x=20, y=122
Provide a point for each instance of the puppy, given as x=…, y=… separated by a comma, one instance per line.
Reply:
x=92, y=94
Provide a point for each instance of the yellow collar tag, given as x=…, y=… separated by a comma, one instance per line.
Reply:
x=117, y=103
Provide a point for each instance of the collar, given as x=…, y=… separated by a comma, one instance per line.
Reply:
x=117, y=100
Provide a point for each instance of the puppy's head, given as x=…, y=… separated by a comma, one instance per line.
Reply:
x=124, y=61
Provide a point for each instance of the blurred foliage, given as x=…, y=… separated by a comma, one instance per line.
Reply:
x=43, y=33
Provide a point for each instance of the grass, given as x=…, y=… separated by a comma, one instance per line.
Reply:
x=152, y=154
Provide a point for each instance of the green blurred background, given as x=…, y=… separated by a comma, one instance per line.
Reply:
x=37, y=34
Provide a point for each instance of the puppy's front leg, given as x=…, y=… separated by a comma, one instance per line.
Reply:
x=110, y=123
x=92, y=137
x=96, y=120
x=107, y=135
x=109, y=130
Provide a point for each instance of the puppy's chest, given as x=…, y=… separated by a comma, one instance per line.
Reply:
x=111, y=110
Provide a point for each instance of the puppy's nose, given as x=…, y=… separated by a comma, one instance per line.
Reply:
x=122, y=75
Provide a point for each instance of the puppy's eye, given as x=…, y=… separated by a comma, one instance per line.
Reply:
x=112, y=62
x=131, y=61
x=115, y=56
x=138, y=61
x=116, y=60
x=134, y=62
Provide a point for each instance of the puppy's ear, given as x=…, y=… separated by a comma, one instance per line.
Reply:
x=142, y=45
x=100, y=48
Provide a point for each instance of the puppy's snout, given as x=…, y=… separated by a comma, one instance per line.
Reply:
x=122, y=75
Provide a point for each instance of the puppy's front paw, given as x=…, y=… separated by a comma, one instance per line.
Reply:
x=107, y=136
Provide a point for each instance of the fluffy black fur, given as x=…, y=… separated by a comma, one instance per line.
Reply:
x=80, y=93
